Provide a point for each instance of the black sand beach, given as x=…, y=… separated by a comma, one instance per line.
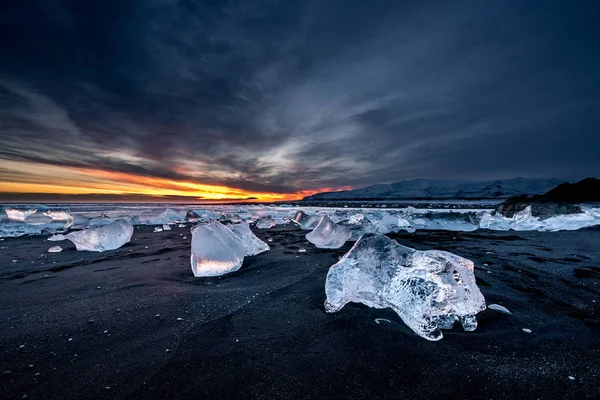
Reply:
x=135, y=323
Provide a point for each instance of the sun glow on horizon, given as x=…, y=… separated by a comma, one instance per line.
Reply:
x=35, y=178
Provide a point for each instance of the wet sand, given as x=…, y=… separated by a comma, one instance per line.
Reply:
x=135, y=323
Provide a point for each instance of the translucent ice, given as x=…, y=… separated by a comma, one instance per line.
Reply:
x=429, y=290
x=329, y=235
x=252, y=244
x=358, y=226
x=216, y=250
x=107, y=237
x=55, y=249
x=38, y=219
x=57, y=238
x=166, y=217
x=525, y=221
x=19, y=215
x=265, y=223
x=305, y=221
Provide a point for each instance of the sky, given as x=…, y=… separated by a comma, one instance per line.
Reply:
x=276, y=100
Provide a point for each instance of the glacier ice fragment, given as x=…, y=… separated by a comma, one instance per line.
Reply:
x=329, y=235
x=429, y=290
x=19, y=215
x=499, y=308
x=265, y=222
x=305, y=221
x=216, y=250
x=102, y=238
x=252, y=244
x=55, y=249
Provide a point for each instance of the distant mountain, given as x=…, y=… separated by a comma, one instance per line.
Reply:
x=439, y=189
x=563, y=199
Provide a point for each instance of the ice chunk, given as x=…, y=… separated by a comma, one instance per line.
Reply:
x=392, y=223
x=80, y=221
x=60, y=216
x=305, y=221
x=252, y=244
x=55, y=249
x=216, y=250
x=265, y=223
x=107, y=237
x=135, y=220
x=100, y=221
x=525, y=221
x=19, y=215
x=429, y=290
x=57, y=238
x=499, y=308
x=358, y=226
x=166, y=217
x=205, y=215
x=38, y=219
x=328, y=235
x=166, y=227
x=158, y=229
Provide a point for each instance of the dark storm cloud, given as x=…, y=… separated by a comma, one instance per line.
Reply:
x=291, y=95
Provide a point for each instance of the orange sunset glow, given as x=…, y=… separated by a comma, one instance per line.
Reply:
x=60, y=180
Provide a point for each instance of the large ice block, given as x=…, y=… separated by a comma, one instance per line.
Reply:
x=329, y=235
x=102, y=238
x=252, y=244
x=305, y=221
x=216, y=250
x=429, y=290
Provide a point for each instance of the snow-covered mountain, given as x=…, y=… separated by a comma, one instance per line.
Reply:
x=439, y=189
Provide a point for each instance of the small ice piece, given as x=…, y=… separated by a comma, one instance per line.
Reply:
x=571, y=377
x=429, y=290
x=252, y=244
x=166, y=227
x=301, y=250
x=55, y=249
x=158, y=229
x=57, y=238
x=107, y=237
x=305, y=221
x=526, y=330
x=181, y=226
x=19, y=215
x=265, y=222
x=216, y=250
x=329, y=235
x=499, y=308
x=380, y=320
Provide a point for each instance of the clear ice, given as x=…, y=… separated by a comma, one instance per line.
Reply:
x=102, y=238
x=305, y=221
x=329, y=235
x=216, y=250
x=265, y=223
x=429, y=290
x=252, y=244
